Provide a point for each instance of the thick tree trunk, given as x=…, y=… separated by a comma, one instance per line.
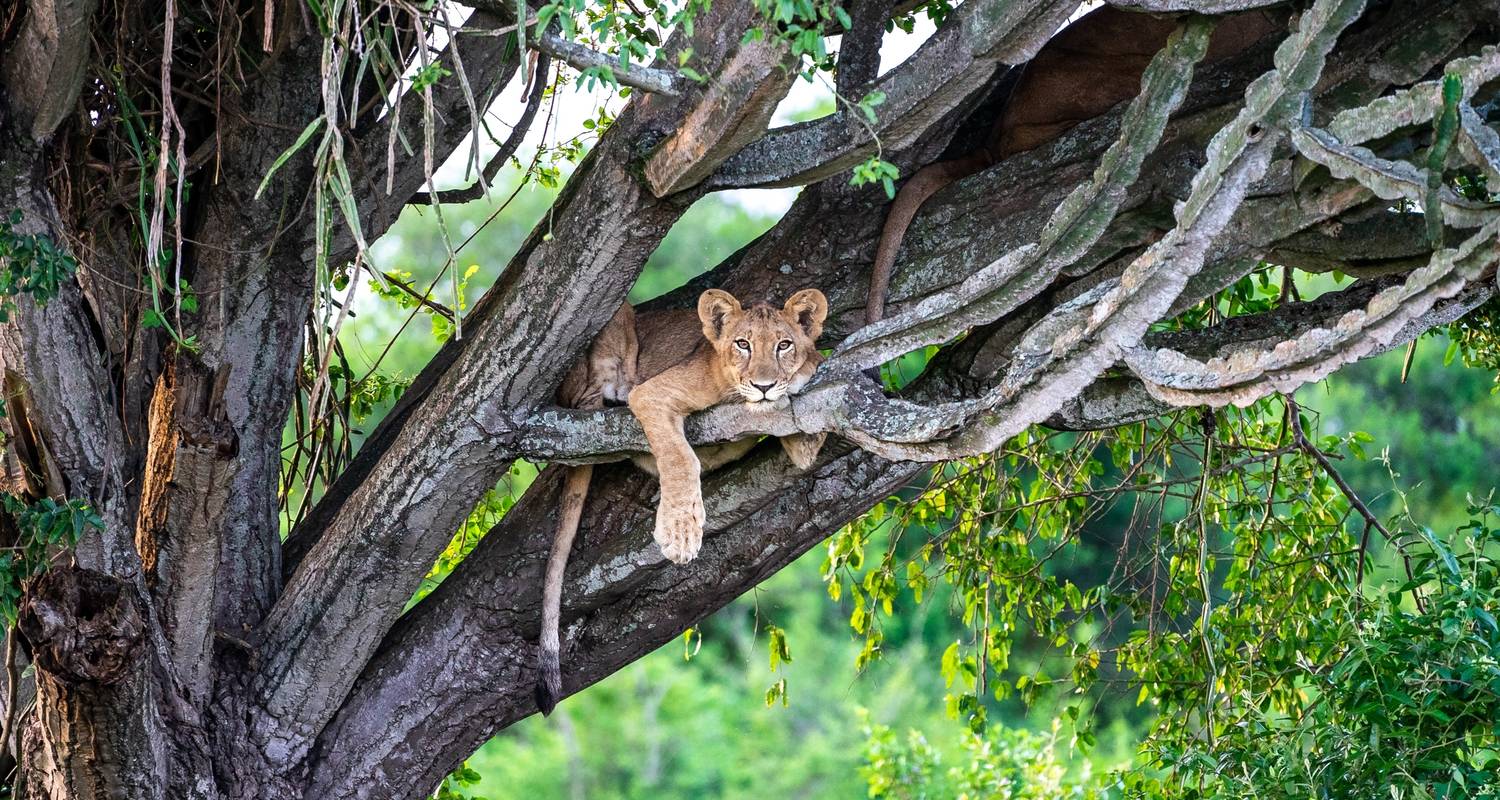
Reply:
x=184, y=651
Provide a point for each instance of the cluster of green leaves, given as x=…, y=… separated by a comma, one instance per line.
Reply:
x=935, y=10
x=803, y=26
x=33, y=265
x=877, y=170
x=983, y=527
x=1393, y=692
x=1476, y=339
x=487, y=513
x=1256, y=292
x=361, y=396
x=1235, y=608
x=458, y=785
x=781, y=653
x=1003, y=764
x=42, y=529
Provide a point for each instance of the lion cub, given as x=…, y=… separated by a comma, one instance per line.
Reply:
x=670, y=365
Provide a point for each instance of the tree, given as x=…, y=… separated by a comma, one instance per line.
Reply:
x=192, y=186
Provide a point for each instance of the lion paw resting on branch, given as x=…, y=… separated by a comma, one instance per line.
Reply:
x=669, y=365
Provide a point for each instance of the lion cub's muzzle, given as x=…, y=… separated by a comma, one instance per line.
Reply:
x=757, y=394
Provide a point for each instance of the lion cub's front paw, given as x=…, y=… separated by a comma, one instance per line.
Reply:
x=679, y=532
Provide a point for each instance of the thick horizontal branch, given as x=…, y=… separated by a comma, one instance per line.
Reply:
x=1323, y=342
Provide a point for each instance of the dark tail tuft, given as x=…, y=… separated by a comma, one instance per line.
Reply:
x=548, y=680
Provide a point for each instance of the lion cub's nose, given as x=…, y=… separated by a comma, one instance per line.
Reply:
x=765, y=388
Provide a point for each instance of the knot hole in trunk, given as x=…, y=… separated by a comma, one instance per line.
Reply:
x=82, y=626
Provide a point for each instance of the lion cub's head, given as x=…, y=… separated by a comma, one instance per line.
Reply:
x=765, y=353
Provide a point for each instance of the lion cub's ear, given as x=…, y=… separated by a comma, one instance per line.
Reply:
x=807, y=309
x=716, y=309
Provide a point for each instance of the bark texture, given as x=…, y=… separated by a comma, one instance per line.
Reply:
x=185, y=650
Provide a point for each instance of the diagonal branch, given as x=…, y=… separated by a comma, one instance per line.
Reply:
x=378, y=531
x=497, y=162
x=656, y=79
x=950, y=67
x=466, y=651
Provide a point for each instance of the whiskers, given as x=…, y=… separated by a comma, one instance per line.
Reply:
x=755, y=399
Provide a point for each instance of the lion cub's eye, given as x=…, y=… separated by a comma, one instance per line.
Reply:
x=742, y=344
x=784, y=345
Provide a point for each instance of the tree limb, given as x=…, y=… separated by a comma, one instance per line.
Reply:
x=649, y=79
x=621, y=601
x=374, y=543
x=476, y=190
x=948, y=69
x=44, y=67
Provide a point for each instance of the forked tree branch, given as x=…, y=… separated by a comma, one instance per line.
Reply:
x=374, y=544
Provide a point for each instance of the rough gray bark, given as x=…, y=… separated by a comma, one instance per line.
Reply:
x=219, y=663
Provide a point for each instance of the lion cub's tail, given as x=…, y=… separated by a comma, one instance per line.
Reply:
x=549, y=657
x=923, y=184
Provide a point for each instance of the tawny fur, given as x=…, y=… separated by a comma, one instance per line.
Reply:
x=669, y=365
x=1085, y=70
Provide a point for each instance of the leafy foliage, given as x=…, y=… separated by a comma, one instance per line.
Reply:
x=33, y=265
x=999, y=765
x=39, y=530
x=632, y=32
x=1233, y=606
x=1476, y=339
x=458, y=784
x=1394, y=692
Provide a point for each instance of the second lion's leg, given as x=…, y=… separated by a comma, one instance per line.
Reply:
x=803, y=448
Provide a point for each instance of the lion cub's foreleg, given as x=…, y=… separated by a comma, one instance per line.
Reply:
x=661, y=404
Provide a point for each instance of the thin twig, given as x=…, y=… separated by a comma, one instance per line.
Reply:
x=1204, y=621
x=1299, y=437
x=512, y=142
x=411, y=292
